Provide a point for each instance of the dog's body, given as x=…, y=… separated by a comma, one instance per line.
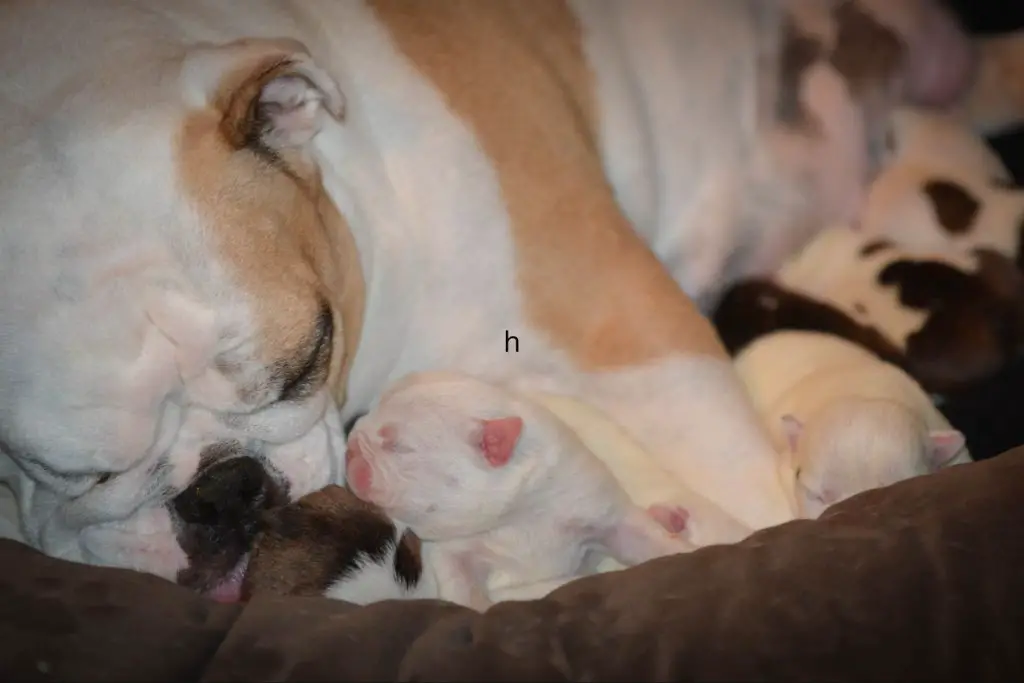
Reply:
x=504, y=496
x=845, y=420
x=226, y=225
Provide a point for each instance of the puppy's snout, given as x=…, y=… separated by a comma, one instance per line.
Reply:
x=235, y=490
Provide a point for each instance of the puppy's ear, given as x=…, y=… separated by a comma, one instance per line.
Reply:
x=792, y=427
x=498, y=438
x=269, y=93
x=944, y=445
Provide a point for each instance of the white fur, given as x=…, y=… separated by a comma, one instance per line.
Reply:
x=646, y=482
x=942, y=143
x=717, y=445
x=846, y=420
x=528, y=521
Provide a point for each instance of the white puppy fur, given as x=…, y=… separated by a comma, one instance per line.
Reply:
x=503, y=495
x=642, y=477
x=845, y=420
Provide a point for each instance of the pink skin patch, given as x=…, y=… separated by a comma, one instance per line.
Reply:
x=673, y=518
x=358, y=473
x=229, y=590
x=498, y=439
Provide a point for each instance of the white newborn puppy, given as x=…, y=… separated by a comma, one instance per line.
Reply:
x=500, y=491
x=642, y=477
x=844, y=420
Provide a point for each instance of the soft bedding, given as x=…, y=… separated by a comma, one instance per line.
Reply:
x=918, y=581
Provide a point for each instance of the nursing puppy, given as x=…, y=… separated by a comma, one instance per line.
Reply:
x=943, y=189
x=503, y=495
x=333, y=544
x=845, y=420
x=949, y=318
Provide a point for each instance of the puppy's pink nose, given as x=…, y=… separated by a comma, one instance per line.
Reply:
x=357, y=470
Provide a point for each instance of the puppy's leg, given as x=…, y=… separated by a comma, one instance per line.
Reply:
x=641, y=535
x=461, y=579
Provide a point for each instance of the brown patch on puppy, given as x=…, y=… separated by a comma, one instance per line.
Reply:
x=875, y=246
x=409, y=559
x=1006, y=280
x=867, y=53
x=799, y=52
x=954, y=206
x=972, y=329
x=531, y=109
x=754, y=308
x=278, y=234
x=310, y=544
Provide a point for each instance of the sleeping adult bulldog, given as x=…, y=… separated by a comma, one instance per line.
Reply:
x=225, y=225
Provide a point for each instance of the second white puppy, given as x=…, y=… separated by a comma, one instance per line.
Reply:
x=844, y=420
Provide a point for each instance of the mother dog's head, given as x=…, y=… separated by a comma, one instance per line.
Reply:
x=180, y=302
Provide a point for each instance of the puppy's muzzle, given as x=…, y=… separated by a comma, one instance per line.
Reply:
x=219, y=515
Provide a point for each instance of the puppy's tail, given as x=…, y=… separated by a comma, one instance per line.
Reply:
x=994, y=103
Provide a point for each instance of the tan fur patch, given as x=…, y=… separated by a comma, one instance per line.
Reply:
x=516, y=74
x=274, y=226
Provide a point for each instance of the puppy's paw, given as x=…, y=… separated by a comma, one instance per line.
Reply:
x=675, y=519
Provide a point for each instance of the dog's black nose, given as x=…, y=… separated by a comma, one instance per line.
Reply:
x=233, y=492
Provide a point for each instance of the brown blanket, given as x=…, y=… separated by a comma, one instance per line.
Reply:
x=919, y=581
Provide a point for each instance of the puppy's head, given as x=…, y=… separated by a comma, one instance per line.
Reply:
x=854, y=445
x=440, y=453
x=327, y=537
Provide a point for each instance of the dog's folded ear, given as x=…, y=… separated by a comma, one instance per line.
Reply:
x=270, y=93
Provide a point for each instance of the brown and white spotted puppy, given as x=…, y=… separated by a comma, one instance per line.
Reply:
x=949, y=319
x=225, y=225
x=333, y=544
x=943, y=189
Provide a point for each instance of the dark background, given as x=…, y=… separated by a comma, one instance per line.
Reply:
x=991, y=414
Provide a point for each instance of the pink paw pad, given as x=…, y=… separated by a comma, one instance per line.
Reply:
x=673, y=518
